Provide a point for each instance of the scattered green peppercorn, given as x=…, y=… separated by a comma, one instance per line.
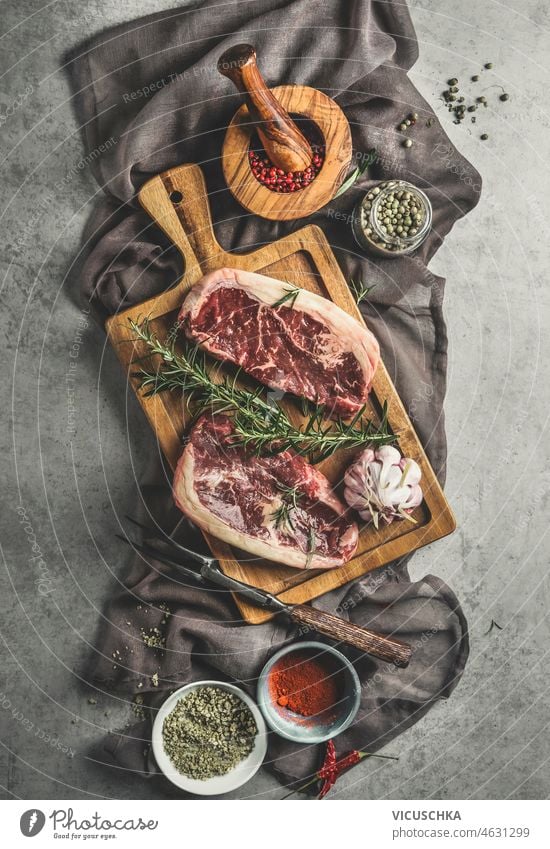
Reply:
x=407, y=143
x=402, y=127
x=484, y=137
x=454, y=81
x=488, y=65
x=505, y=96
x=482, y=99
x=475, y=78
x=472, y=108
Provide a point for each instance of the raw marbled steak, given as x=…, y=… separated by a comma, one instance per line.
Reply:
x=236, y=496
x=307, y=346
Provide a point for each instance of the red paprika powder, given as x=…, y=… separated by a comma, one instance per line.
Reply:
x=307, y=683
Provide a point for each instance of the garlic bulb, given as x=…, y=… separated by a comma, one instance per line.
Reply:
x=383, y=484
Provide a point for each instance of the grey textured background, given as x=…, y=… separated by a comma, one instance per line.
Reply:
x=490, y=739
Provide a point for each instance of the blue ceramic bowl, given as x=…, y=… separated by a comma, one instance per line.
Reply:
x=311, y=729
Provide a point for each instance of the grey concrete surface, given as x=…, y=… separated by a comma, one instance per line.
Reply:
x=490, y=740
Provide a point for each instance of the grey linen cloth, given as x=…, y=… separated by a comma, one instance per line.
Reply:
x=149, y=97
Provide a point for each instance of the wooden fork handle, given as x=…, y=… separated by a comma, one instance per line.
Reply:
x=385, y=648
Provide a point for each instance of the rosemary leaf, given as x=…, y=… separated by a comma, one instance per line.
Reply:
x=357, y=173
x=291, y=295
x=290, y=497
x=359, y=290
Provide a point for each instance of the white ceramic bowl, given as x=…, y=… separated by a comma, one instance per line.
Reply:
x=236, y=777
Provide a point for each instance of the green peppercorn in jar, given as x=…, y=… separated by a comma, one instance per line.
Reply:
x=392, y=219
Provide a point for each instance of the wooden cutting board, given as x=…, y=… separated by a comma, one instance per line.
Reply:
x=178, y=201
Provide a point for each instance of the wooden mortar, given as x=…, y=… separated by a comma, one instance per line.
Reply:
x=268, y=112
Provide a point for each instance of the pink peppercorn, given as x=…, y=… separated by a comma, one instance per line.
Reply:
x=277, y=180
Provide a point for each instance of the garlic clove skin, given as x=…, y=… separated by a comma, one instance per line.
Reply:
x=415, y=497
x=411, y=469
x=388, y=455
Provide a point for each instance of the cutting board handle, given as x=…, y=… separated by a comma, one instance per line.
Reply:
x=178, y=201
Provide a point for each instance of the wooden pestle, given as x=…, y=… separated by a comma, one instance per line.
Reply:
x=284, y=144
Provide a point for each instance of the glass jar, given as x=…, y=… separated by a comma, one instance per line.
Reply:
x=392, y=219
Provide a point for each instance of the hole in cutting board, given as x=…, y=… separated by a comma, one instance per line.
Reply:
x=176, y=197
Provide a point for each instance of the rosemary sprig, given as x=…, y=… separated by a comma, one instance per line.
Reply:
x=189, y=371
x=290, y=497
x=358, y=173
x=260, y=425
x=316, y=440
x=359, y=290
x=290, y=295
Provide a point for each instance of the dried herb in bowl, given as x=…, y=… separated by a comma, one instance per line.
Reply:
x=208, y=733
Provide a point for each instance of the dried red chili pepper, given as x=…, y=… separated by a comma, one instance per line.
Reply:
x=349, y=760
x=327, y=773
x=331, y=768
